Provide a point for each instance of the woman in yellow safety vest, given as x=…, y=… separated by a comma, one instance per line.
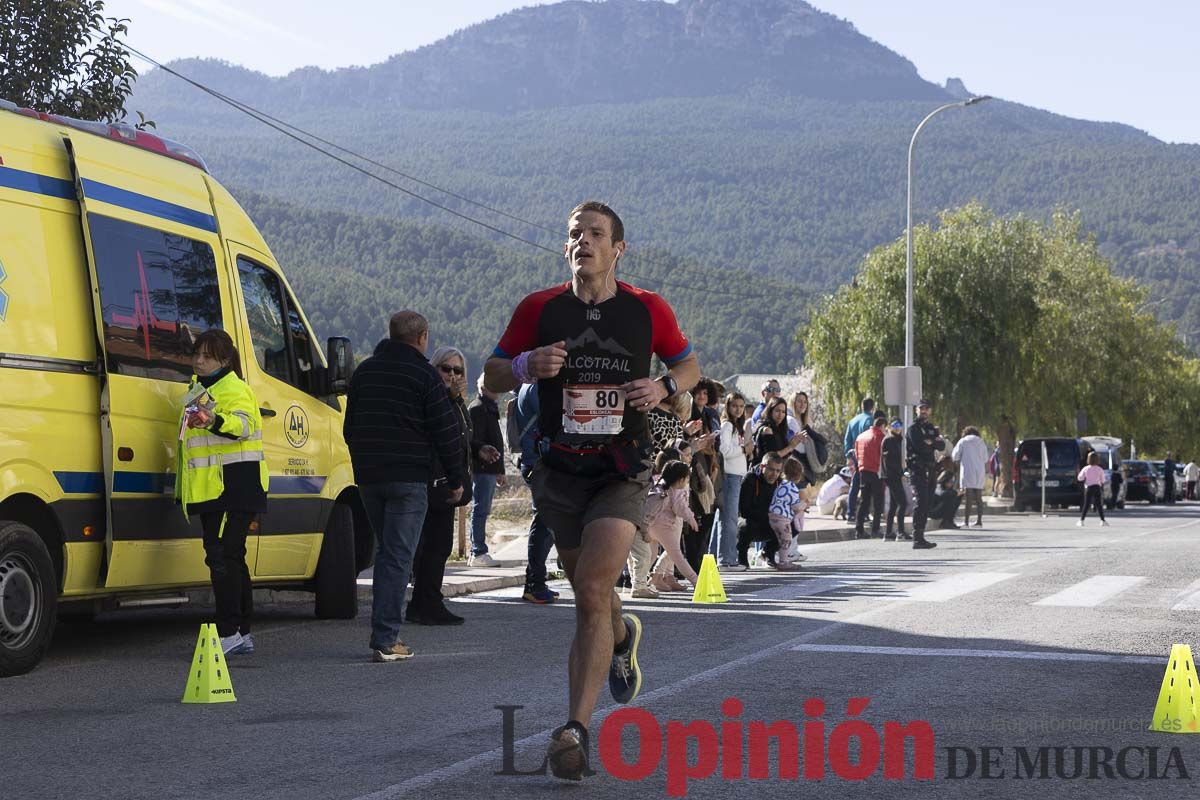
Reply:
x=222, y=477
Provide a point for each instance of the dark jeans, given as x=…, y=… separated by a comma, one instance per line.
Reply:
x=225, y=555
x=870, y=498
x=945, y=507
x=852, y=499
x=1169, y=495
x=396, y=511
x=922, y=486
x=899, y=502
x=541, y=539
x=750, y=533
x=1094, y=495
x=485, y=493
x=429, y=569
x=695, y=543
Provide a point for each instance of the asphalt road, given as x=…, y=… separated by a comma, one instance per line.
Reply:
x=1030, y=633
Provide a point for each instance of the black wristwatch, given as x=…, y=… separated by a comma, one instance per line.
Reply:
x=669, y=384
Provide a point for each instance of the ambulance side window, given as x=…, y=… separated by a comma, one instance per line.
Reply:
x=158, y=292
x=283, y=350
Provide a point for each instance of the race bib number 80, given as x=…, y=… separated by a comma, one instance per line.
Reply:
x=593, y=410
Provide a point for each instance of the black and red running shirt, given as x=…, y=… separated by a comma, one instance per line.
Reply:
x=608, y=344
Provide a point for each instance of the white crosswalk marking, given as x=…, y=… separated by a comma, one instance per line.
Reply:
x=1092, y=592
x=954, y=586
x=802, y=589
x=1189, y=598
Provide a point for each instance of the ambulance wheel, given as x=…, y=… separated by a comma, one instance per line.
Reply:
x=28, y=598
x=337, y=581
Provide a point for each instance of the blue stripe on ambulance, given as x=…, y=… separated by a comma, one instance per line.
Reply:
x=64, y=190
x=164, y=482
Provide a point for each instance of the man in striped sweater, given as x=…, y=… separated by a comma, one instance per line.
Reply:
x=398, y=414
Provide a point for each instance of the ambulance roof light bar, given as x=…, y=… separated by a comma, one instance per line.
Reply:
x=118, y=131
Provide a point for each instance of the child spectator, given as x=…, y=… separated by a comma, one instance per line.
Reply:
x=666, y=526
x=787, y=514
x=644, y=549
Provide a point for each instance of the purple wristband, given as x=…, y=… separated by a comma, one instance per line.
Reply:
x=520, y=368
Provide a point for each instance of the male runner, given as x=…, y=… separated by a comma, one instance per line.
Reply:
x=587, y=344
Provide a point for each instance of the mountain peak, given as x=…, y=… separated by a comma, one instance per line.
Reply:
x=620, y=51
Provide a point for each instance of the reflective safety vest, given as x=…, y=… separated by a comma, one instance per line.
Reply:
x=203, y=453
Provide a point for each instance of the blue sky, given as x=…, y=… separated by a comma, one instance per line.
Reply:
x=1095, y=59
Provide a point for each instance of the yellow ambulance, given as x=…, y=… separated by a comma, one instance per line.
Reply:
x=117, y=249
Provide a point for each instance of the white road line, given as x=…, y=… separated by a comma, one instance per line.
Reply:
x=1189, y=598
x=940, y=591
x=1092, y=592
x=954, y=652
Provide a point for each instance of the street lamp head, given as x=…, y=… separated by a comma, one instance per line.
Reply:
x=972, y=101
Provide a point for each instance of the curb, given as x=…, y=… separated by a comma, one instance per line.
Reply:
x=267, y=597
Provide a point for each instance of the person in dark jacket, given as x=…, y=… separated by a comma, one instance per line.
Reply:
x=893, y=477
x=924, y=442
x=488, y=468
x=398, y=416
x=754, y=506
x=428, y=605
x=946, y=496
x=773, y=435
x=1169, y=473
x=541, y=540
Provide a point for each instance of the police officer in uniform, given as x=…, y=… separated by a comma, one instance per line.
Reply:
x=923, y=441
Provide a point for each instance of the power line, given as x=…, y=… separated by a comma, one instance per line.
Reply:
x=298, y=134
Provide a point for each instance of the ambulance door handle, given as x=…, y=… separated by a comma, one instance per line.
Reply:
x=266, y=412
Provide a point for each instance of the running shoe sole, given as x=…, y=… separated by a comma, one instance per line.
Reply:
x=384, y=657
x=567, y=757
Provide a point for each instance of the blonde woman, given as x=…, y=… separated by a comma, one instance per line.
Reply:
x=428, y=606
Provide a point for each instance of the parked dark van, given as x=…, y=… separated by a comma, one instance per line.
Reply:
x=1063, y=455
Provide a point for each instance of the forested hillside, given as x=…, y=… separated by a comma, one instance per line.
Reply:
x=351, y=272
x=764, y=175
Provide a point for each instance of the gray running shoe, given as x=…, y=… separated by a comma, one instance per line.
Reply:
x=625, y=676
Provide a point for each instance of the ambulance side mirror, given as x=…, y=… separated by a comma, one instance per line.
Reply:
x=340, y=356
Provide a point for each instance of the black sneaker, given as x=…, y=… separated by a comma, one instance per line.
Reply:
x=924, y=544
x=441, y=616
x=905, y=537
x=568, y=753
x=625, y=676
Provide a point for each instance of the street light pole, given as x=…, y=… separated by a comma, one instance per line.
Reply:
x=908, y=235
